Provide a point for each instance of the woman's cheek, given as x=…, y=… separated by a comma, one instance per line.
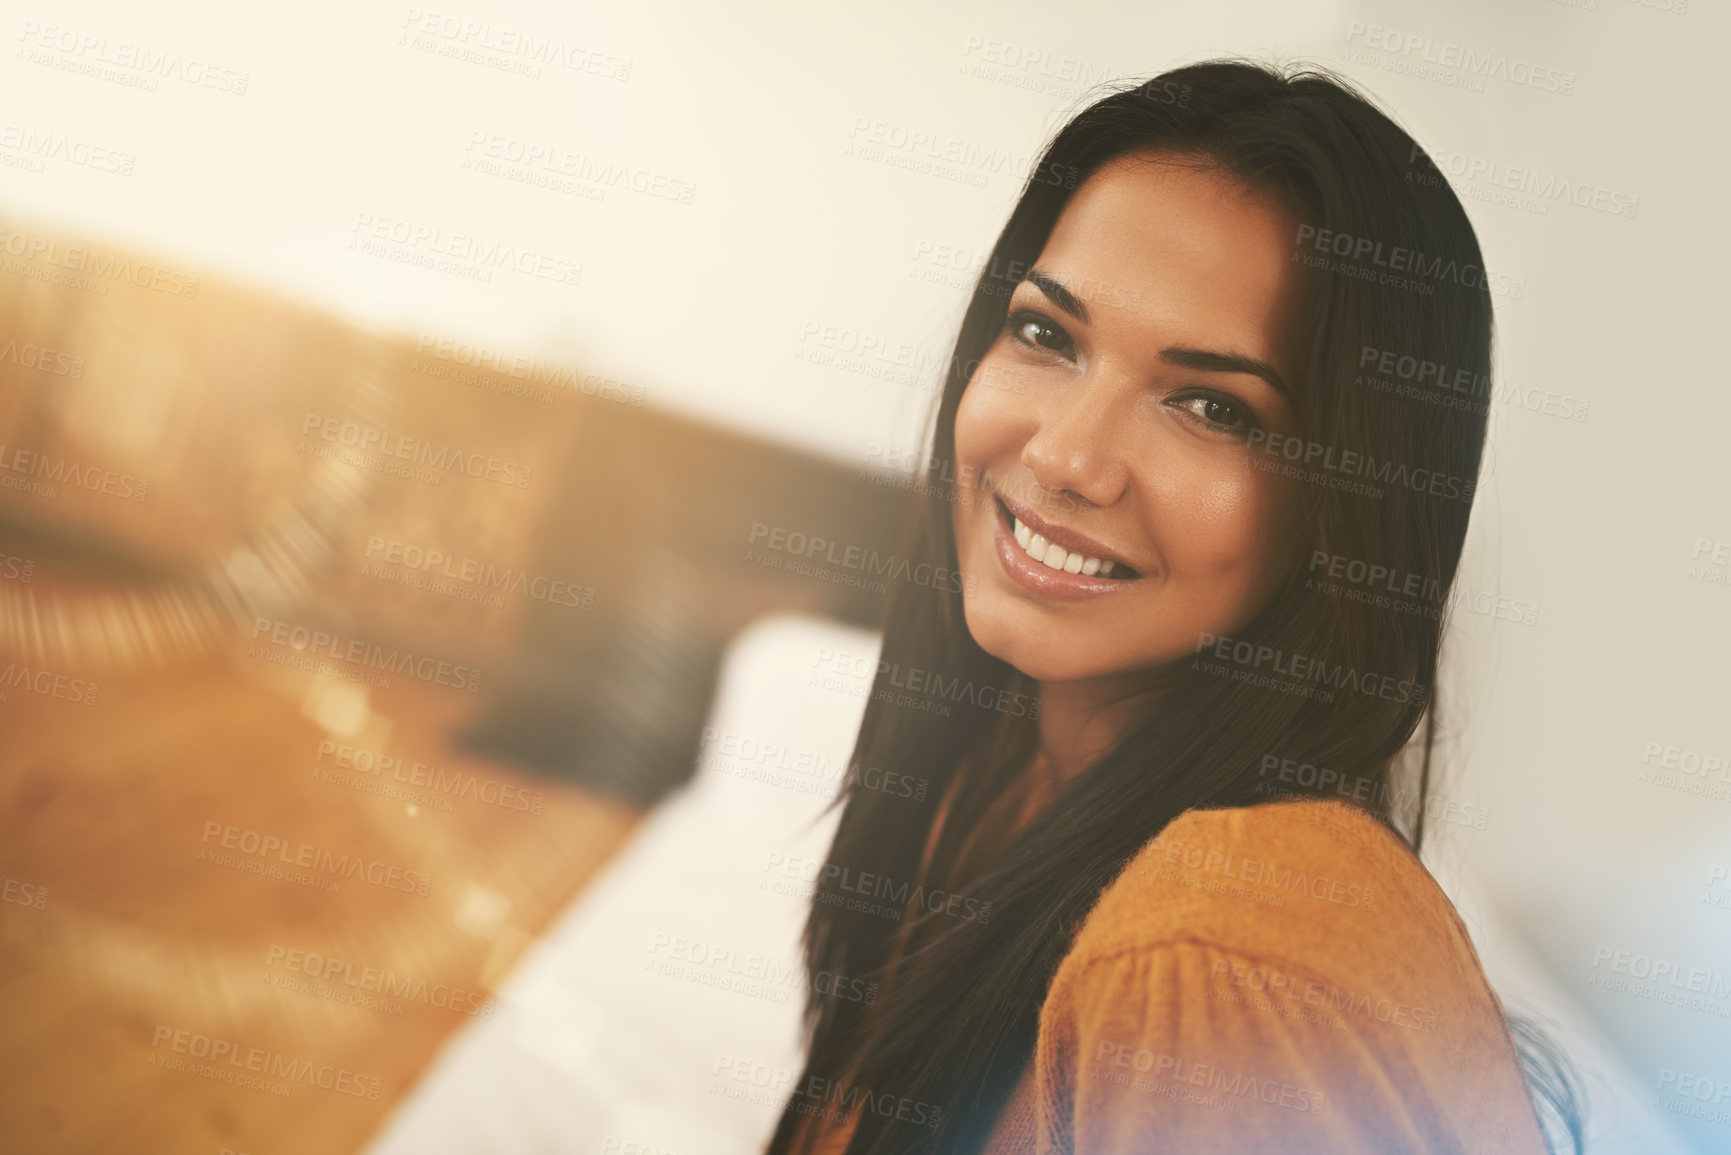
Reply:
x=975, y=433
x=969, y=420
x=1214, y=518
x=993, y=406
x=1003, y=376
x=1242, y=528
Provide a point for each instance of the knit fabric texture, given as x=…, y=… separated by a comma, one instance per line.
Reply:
x=1280, y=979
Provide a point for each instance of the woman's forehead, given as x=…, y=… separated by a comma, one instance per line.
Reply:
x=1187, y=243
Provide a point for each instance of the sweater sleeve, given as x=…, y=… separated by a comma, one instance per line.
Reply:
x=1156, y=1050
x=1232, y=1026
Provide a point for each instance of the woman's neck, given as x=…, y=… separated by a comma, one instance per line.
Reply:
x=1079, y=721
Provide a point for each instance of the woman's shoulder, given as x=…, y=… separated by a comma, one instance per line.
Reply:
x=1314, y=882
x=1285, y=976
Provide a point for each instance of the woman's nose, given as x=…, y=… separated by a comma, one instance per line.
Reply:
x=1076, y=446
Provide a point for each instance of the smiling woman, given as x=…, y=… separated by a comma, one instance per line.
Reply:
x=1129, y=426
x=1180, y=955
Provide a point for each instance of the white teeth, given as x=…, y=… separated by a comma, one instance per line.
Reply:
x=1056, y=556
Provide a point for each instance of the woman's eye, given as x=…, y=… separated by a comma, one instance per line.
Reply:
x=1032, y=329
x=1221, y=412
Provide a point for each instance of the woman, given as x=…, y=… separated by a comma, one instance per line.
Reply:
x=1178, y=907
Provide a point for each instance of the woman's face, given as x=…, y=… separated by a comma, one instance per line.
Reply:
x=1111, y=419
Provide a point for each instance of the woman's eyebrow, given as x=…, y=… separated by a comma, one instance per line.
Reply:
x=1208, y=362
x=1202, y=360
x=1058, y=294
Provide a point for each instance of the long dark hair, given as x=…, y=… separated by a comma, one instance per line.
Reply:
x=961, y=985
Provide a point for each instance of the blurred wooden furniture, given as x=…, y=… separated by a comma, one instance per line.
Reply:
x=239, y=538
x=107, y=808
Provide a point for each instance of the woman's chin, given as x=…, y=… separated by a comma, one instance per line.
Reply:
x=1043, y=659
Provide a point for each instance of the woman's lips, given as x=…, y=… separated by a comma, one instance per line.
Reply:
x=1038, y=577
x=1068, y=539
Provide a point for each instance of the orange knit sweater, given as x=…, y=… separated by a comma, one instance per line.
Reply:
x=1284, y=978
